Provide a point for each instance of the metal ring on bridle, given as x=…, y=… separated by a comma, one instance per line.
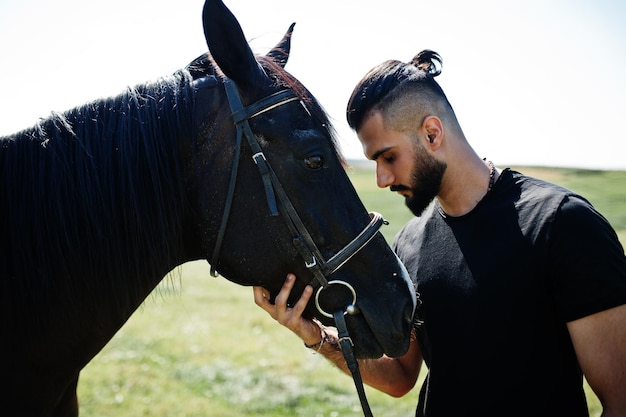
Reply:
x=338, y=282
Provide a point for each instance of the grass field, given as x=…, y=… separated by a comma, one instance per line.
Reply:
x=200, y=347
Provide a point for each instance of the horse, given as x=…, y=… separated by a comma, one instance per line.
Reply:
x=229, y=160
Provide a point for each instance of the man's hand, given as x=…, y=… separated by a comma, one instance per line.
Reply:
x=394, y=376
x=290, y=317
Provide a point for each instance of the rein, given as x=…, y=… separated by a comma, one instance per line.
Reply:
x=302, y=240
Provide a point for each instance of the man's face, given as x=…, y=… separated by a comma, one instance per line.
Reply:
x=402, y=163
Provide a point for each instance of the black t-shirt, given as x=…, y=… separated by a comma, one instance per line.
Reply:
x=498, y=286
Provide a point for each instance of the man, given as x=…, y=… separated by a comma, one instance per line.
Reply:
x=522, y=282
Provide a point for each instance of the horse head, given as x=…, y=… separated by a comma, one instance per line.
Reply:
x=288, y=205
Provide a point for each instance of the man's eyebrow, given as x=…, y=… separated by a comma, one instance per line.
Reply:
x=378, y=153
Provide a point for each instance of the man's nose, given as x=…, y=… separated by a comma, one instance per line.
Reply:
x=384, y=176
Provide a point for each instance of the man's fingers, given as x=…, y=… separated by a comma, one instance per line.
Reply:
x=262, y=299
x=303, y=301
x=281, y=299
x=289, y=317
x=259, y=296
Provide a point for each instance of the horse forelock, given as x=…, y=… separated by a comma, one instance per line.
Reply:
x=285, y=79
x=96, y=189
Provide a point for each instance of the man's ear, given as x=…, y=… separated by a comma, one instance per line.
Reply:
x=433, y=129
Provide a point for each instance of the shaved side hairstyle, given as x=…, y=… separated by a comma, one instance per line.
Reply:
x=404, y=94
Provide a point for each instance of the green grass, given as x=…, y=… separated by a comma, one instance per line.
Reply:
x=199, y=346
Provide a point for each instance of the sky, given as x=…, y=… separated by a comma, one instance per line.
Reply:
x=533, y=82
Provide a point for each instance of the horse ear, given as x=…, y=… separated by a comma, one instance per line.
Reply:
x=280, y=53
x=229, y=47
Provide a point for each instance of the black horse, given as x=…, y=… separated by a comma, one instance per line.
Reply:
x=99, y=203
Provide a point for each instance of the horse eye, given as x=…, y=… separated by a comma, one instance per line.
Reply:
x=314, y=162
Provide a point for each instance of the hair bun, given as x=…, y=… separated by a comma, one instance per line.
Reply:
x=429, y=62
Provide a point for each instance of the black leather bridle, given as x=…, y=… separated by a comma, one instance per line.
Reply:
x=302, y=240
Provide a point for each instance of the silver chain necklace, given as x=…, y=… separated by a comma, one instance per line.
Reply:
x=492, y=174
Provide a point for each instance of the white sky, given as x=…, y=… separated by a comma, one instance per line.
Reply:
x=533, y=82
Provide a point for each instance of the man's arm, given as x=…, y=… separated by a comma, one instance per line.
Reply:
x=393, y=376
x=600, y=344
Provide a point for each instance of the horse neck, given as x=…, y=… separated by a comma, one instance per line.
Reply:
x=95, y=198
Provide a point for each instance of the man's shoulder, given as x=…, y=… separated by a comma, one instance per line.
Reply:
x=535, y=185
x=535, y=193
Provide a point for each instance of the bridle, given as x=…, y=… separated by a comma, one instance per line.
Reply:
x=302, y=240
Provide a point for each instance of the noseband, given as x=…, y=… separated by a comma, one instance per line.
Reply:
x=302, y=240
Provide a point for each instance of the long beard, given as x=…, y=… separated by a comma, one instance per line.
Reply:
x=425, y=181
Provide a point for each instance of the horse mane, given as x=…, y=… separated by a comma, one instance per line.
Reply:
x=81, y=187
